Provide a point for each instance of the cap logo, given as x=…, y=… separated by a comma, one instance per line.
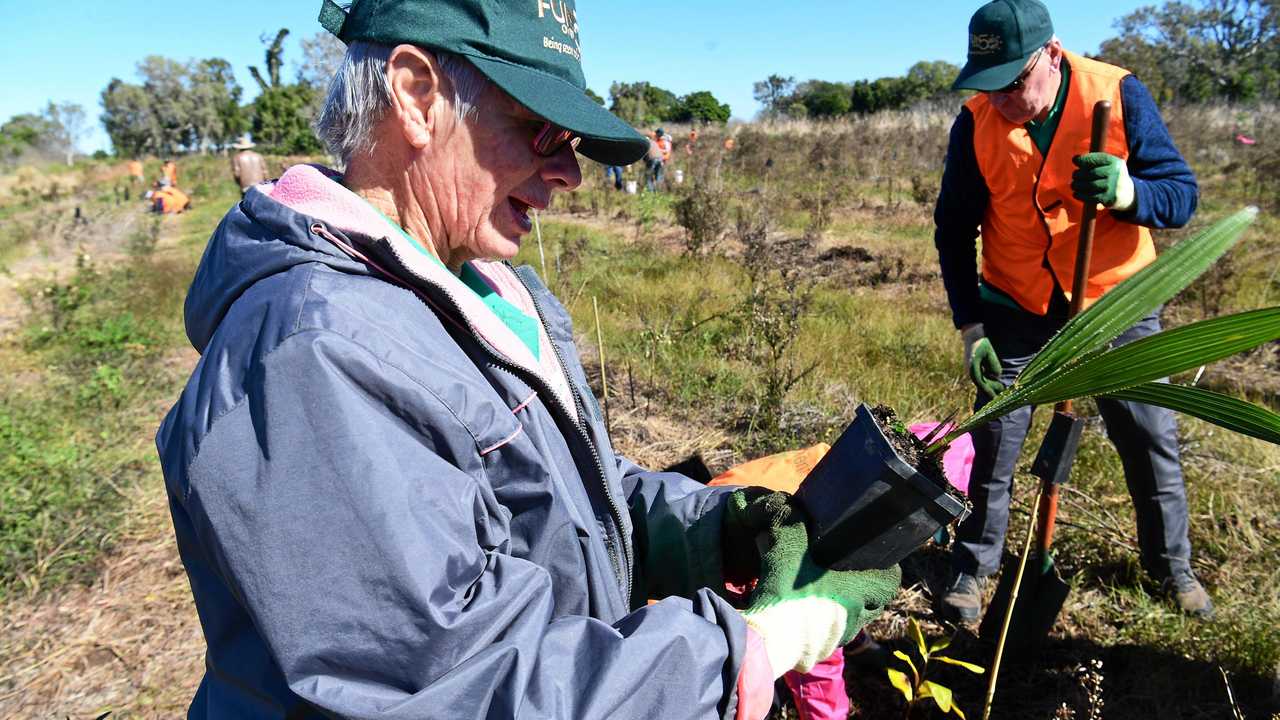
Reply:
x=985, y=44
x=567, y=18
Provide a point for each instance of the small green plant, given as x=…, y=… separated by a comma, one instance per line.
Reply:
x=646, y=207
x=1078, y=361
x=916, y=687
x=779, y=293
x=142, y=243
x=825, y=189
x=104, y=388
x=703, y=211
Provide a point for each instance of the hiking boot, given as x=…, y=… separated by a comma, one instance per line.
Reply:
x=963, y=599
x=1190, y=596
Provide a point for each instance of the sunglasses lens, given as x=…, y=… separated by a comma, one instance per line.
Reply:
x=552, y=139
x=1022, y=76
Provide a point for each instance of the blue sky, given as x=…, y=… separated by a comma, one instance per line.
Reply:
x=70, y=50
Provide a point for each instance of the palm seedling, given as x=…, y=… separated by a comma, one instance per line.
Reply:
x=872, y=505
x=1079, y=362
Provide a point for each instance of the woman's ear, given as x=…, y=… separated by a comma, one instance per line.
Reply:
x=415, y=80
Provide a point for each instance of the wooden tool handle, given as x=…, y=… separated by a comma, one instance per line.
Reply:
x=1048, y=501
x=1047, y=515
x=1084, y=250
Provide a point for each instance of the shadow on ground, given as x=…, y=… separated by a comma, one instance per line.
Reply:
x=1063, y=677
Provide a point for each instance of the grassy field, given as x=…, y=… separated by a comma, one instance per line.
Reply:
x=809, y=284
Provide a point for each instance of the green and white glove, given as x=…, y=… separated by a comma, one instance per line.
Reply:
x=981, y=361
x=1103, y=178
x=802, y=611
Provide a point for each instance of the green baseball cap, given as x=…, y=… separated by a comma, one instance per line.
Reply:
x=1003, y=35
x=529, y=49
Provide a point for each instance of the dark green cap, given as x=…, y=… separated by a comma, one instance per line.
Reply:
x=530, y=49
x=1003, y=35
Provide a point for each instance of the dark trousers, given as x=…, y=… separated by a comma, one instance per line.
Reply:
x=1145, y=436
x=614, y=172
x=653, y=178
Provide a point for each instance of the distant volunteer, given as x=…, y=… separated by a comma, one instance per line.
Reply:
x=248, y=168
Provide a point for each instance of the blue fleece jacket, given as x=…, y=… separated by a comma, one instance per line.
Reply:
x=1164, y=184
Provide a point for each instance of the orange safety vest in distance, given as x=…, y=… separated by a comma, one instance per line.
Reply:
x=1031, y=218
x=171, y=199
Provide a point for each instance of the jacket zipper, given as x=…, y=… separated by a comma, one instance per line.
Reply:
x=582, y=432
x=623, y=564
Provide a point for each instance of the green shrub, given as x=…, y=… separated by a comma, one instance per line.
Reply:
x=702, y=209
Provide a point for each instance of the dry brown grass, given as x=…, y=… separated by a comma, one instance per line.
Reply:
x=129, y=643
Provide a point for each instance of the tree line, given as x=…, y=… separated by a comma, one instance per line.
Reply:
x=926, y=81
x=1207, y=50
x=1184, y=51
x=178, y=107
x=644, y=104
x=195, y=106
x=51, y=134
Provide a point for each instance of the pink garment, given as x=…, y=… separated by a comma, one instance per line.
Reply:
x=1245, y=140
x=755, y=681
x=957, y=461
x=819, y=694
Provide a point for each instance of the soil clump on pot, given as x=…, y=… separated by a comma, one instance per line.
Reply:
x=913, y=450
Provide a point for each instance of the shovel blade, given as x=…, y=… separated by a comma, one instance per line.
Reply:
x=1040, y=600
x=1058, y=451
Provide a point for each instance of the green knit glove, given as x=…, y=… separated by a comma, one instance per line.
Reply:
x=802, y=611
x=981, y=361
x=1104, y=179
x=739, y=553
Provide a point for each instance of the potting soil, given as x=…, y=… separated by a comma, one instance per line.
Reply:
x=913, y=451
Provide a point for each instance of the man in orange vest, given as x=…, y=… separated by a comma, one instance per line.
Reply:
x=664, y=142
x=170, y=171
x=656, y=160
x=1018, y=167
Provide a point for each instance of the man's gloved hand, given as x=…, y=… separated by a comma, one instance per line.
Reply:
x=801, y=611
x=1102, y=178
x=981, y=361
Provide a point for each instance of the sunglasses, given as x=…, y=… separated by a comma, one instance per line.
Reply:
x=552, y=138
x=1022, y=77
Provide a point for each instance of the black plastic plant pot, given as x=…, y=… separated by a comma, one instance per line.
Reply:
x=870, y=508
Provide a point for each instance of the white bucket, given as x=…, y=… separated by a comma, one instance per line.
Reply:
x=679, y=176
x=632, y=187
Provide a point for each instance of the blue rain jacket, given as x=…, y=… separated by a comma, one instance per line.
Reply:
x=376, y=524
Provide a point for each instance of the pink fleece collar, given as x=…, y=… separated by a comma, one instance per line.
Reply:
x=314, y=190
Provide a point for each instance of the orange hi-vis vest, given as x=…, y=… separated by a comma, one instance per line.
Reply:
x=1031, y=227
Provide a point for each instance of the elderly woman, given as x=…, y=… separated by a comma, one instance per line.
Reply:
x=391, y=487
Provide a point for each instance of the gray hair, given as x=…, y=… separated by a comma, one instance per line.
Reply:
x=359, y=95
